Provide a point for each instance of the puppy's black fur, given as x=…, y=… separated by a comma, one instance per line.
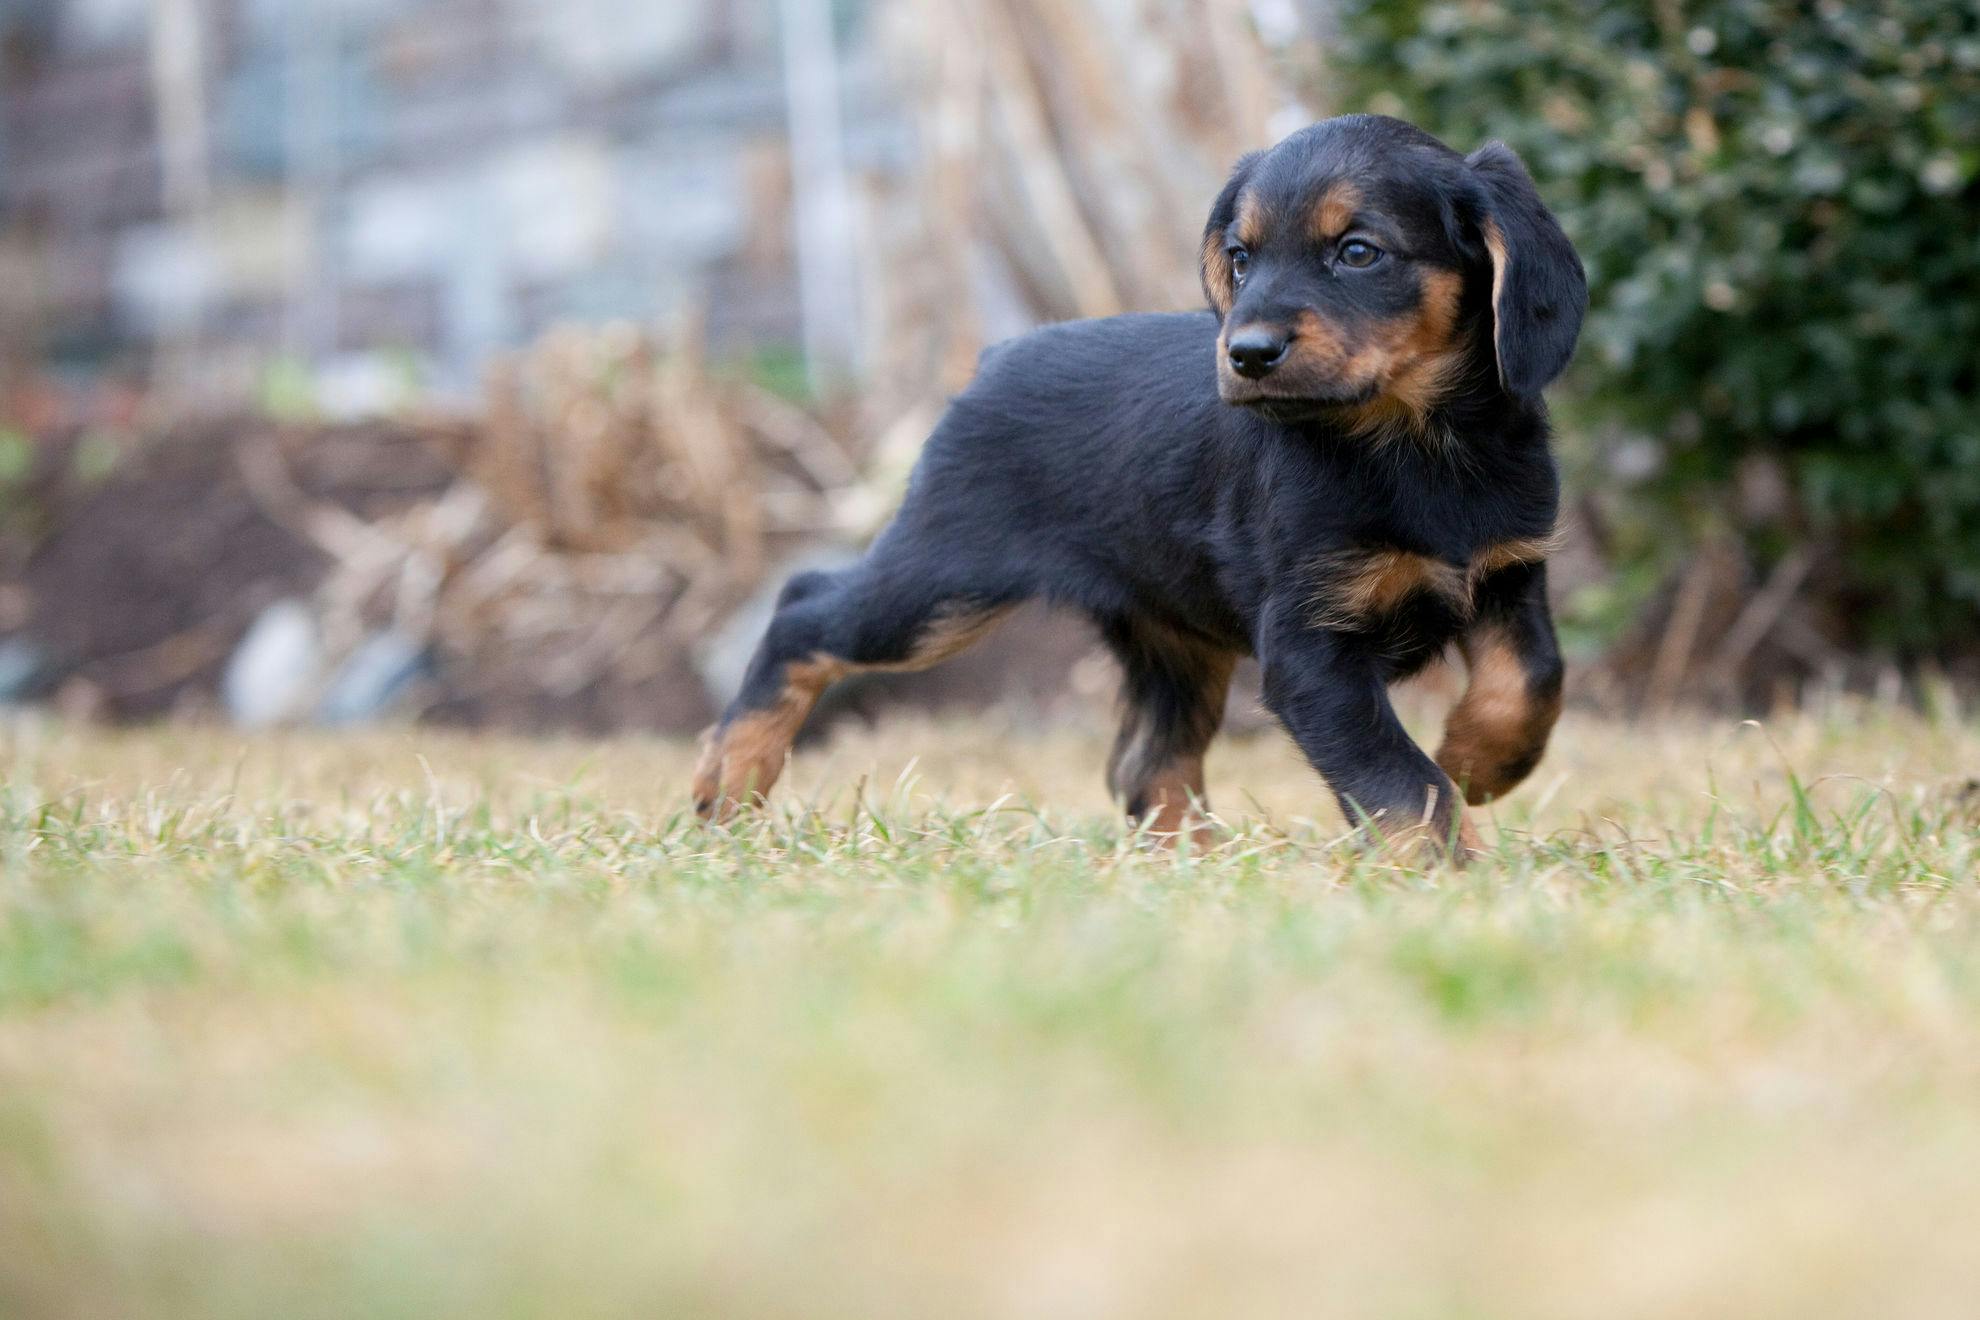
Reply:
x=1342, y=468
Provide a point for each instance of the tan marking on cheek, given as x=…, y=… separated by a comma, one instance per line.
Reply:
x=1334, y=212
x=1366, y=365
x=1429, y=354
x=1443, y=294
x=1317, y=346
x=1499, y=728
x=1439, y=293
x=1414, y=357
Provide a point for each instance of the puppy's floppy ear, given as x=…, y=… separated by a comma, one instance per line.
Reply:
x=1538, y=290
x=1216, y=262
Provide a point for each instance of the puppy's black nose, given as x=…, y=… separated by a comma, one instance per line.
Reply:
x=1256, y=349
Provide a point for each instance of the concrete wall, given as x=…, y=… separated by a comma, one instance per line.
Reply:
x=352, y=182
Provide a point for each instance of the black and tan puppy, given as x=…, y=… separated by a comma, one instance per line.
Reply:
x=1342, y=469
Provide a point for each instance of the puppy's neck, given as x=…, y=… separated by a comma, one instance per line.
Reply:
x=1424, y=404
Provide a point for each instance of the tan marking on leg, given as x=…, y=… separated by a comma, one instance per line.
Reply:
x=741, y=760
x=1353, y=586
x=947, y=634
x=1499, y=727
x=1172, y=799
x=1165, y=780
x=1467, y=837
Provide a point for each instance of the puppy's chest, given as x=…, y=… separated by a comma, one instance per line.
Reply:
x=1360, y=588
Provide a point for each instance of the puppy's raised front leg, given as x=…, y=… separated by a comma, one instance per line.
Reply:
x=1329, y=693
x=1497, y=732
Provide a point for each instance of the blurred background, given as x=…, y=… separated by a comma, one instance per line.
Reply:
x=487, y=361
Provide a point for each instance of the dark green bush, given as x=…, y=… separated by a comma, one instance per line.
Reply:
x=1779, y=209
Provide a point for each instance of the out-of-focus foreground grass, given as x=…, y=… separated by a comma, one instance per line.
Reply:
x=411, y=1024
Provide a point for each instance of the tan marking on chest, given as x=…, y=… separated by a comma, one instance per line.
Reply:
x=1353, y=587
x=1504, y=554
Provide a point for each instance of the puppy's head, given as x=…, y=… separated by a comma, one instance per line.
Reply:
x=1365, y=271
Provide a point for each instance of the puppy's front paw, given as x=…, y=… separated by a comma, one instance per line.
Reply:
x=736, y=768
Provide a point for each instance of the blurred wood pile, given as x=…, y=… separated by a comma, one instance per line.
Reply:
x=614, y=499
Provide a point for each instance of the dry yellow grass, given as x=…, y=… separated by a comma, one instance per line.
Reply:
x=421, y=1024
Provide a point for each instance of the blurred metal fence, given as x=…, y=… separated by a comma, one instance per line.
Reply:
x=440, y=177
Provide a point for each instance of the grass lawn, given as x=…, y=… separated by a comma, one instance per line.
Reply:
x=412, y=1024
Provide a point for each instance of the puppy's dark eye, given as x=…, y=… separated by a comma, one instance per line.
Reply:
x=1359, y=254
x=1240, y=263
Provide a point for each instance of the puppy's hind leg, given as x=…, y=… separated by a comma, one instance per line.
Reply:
x=1173, y=690
x=828, y=626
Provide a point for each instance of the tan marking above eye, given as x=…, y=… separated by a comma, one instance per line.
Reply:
x=1249, y=228
x=1246, y=230
x=1335, y=211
